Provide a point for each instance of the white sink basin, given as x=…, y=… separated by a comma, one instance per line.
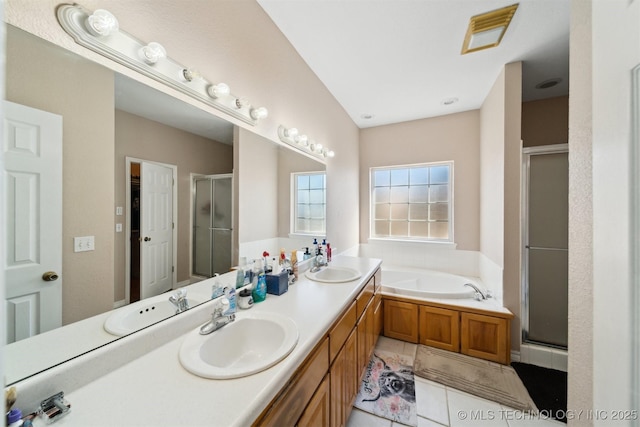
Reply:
x=250, y=344
x=333, y=274
x=143, y=313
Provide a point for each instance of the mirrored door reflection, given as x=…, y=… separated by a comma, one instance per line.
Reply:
x=212, y=225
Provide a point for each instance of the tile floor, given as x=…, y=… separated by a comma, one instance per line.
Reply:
x=438, y=405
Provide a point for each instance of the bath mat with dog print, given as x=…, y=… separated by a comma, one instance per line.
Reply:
x=388, y=388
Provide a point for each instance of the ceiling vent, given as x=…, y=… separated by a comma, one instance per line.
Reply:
x=486, y=30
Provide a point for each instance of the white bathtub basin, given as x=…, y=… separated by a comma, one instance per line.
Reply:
x=333, y=274
x=144, y=313
x=250, y=344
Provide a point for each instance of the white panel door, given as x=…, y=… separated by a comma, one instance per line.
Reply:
x=156, y=229
x=32, y=147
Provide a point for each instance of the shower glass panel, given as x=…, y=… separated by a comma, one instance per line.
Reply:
x=546, y=250
x=212, y=229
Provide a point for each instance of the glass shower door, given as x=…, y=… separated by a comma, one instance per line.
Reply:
x=212, y=229
x=546, y=250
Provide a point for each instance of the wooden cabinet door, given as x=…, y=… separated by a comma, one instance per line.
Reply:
x=440, y=328
x=401, y=320
x=318, y=410
x=485, y=337
x=352, y=376
x=345, y=380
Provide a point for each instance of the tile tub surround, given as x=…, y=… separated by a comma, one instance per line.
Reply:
x=156, y=379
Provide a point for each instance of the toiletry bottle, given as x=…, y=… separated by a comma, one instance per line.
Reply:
x=306, y=255
x=230, y=293
x=266, y=267
x=328, y=252
x=276, y=267
x=216, y=289
x=259, y=292
x=294, y=265
x=282, y=256
x=315, y=247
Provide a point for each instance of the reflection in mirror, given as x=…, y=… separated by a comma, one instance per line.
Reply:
x=106, y=121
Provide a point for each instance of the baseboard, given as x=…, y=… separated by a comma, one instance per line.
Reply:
x=515, y=356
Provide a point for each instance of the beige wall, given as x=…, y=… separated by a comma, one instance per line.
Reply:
x=258, y=186
x=500, y=124
x=492, y=147
x=545, y=121
x=82, y=93
x=452, y=137
x=511, y=284
x=192, y=154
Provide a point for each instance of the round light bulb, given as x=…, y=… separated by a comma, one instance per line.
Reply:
x=330, y=153
x=241, y=103
x=259, y=113
x=291, y=133
x=218, y=90
x=102, y=23
x=152, y=52
x=189, y=74
x=302, y=140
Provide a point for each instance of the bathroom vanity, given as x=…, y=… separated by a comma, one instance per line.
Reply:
x=142, y=382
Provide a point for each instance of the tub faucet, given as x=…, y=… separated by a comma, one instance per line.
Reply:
x=219, y=318
x=179, y=300
x=318, y=262
x=479, y=294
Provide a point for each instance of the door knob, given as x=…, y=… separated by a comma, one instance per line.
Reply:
x=147, y=239
x=50, y=276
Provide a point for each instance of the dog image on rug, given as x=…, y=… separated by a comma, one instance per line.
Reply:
x=388, y=388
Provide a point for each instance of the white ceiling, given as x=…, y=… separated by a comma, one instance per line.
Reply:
x=399, y=59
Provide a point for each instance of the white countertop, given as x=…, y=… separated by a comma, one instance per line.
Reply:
x=155, y=390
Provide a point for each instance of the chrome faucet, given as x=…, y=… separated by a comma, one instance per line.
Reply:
x=219, y=318
x=180, y=301
x=479, y=294
x=318, y=262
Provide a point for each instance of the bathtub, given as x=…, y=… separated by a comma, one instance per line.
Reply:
x=427, y=284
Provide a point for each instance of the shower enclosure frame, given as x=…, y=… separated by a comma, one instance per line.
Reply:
x=527, y=152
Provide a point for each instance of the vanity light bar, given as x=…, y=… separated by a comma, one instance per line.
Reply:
x=293, y=137
x=99, y=31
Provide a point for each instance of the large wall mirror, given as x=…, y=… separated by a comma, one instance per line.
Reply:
x=112, y=126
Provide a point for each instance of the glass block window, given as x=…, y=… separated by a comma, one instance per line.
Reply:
x=412, y=202
x=309, y=203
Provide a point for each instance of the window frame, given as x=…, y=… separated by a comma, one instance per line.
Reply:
x=450, y=203
x=293, y=231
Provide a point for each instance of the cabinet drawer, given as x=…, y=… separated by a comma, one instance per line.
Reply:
x=289, y=405
x=341, y=330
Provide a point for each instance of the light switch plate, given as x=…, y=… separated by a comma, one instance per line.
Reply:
x=84, y=244
x=118, y=228
x=118, y=210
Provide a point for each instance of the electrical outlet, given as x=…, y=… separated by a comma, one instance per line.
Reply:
x=118, y=210
x=84, y=244
x=118, y=228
